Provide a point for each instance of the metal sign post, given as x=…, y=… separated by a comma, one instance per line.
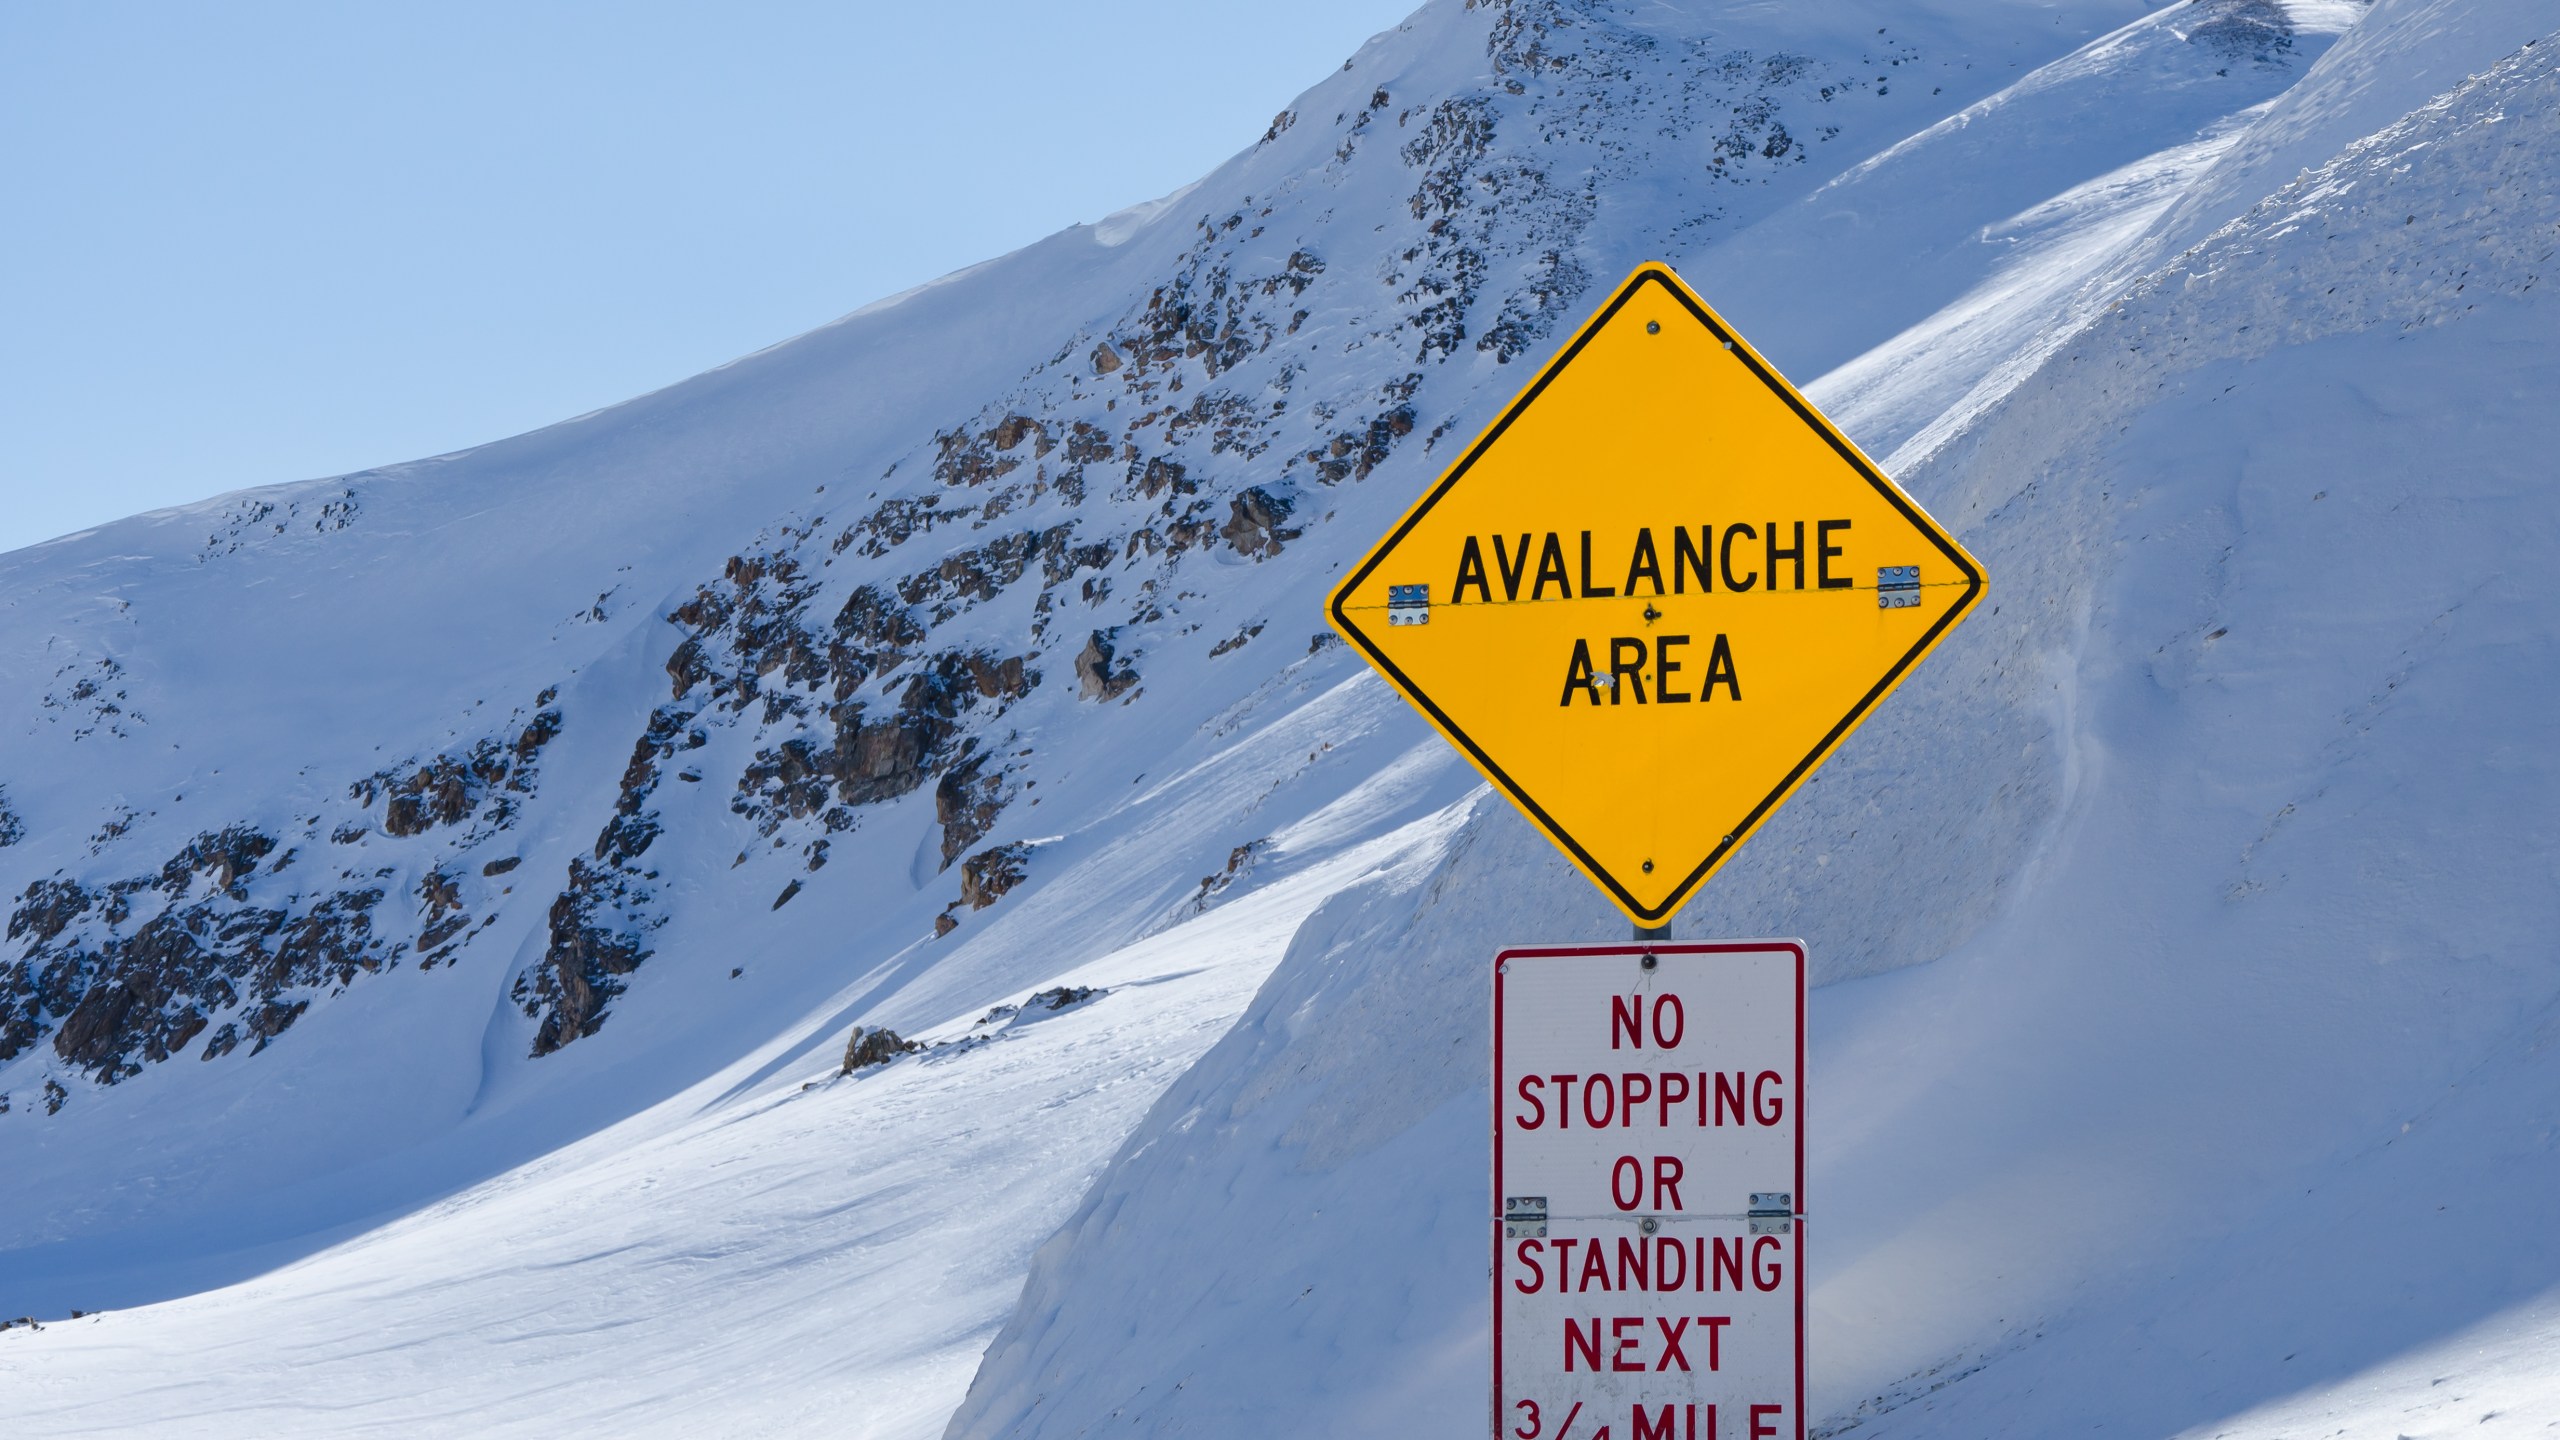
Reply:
x=1648, y=1161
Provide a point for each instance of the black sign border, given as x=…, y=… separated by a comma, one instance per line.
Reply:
x=1679, y=894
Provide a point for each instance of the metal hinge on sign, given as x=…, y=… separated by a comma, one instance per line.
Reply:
x=1772, y=1212
x=1408, y=604
x=1897, y=587
x=1524, y=1217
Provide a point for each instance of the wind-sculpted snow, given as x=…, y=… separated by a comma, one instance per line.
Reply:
x=2240, y=1090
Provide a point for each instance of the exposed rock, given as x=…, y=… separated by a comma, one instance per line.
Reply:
x=1239, y=860
x=1088, y=443
x=1159, y=475
x=1012, y=429
x=981, y=572
x=439, y=892
x=1236, y=641
x=2258, y=31
x=873, y=757
x=225, y=857
x=634, y=827
x=502, y=866
x=1255, y=527
x=594, y=943
x=787, y=892
x=895, y=520
x=597, y=921
x=12, y=829
x=1105, y=359
x=871, y=1045
x=943, y=924
x=115, y=999
x=45, y=908
x=686, y=668
x=270, y=1020
x=450, y=789
x=88, y=1034
x=1353, y=453
x=1095, y=678
x=986, y=876
x=967, y=802
x=971, y=460
x=956, y=679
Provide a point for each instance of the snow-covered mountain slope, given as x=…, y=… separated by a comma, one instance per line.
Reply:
x=2410, y=55
x=479, y=778
x=2062, y=152
x=518, y=834
x=2237, y=1114
x=712, y=1267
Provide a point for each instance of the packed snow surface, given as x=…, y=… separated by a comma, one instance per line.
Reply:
x=441, y=896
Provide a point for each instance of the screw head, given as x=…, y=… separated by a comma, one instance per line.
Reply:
x=1648, y=867
x=1653, y=327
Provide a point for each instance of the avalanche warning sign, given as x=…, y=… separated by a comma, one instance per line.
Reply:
x=1655, y=595
x=1648, y=1177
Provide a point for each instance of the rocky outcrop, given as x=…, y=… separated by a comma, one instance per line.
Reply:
x=871, y=1045
x=854, y=711
x=988, y=875
x=597, y=922
x=1095, y=679
x=1256, y=527
x=1354, y=452
x=966, y=804
x=450, y=789
x=594, y=942
x=216, y=940
x=2257, y=32
x=117, y=992
x=862, y=757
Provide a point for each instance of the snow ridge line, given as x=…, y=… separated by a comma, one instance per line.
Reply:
x=2479, y=143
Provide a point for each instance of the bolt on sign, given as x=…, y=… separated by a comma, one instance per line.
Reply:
x=1648, y=1162
x=1655, y=594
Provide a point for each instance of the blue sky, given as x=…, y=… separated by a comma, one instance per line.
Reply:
x=259, y=242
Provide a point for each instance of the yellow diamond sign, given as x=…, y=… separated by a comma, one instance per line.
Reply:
x=1655, y=594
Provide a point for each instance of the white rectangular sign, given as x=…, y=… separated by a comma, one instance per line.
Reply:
x=1648, y=1100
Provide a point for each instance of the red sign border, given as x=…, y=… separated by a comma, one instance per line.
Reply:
x=1501, y=960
